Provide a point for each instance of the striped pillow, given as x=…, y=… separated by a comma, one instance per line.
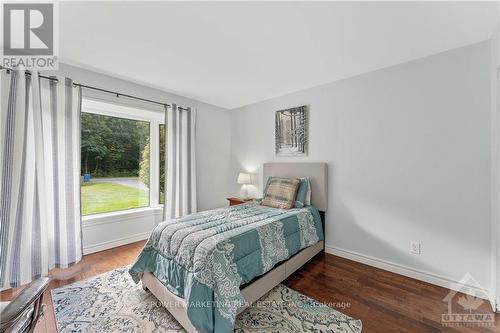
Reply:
x=281, y=193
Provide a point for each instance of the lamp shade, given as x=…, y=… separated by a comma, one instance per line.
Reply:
x=244, y=178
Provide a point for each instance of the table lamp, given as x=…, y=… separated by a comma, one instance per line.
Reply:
x=244, y=179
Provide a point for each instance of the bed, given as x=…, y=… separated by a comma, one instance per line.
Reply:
x=207, y=267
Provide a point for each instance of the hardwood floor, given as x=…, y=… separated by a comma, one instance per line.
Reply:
x=384, y=301
x=91, y=265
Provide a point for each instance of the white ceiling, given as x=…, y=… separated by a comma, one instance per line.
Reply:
x=233, y=54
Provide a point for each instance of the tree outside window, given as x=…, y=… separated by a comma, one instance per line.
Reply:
x=114, y=161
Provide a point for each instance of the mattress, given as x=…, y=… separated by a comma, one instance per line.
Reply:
x=205, y=257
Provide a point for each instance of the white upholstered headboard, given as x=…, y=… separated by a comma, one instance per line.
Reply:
x=317, y=173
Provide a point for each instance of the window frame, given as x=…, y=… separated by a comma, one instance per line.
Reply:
x=158, y=164
x=154, y=118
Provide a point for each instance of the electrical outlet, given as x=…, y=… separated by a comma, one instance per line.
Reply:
x=415, y=247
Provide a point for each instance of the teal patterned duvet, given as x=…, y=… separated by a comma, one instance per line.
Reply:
x=205, y=257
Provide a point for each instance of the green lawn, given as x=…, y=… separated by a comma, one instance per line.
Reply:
x=108, y=197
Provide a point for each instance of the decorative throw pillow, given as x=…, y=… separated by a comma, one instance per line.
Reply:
x=267, y=183
x=307, y=202
x=300, y=200
x=281, y=193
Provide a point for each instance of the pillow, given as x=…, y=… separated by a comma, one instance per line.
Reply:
x=267, y=184
x=307, y=202
x=281, y=193
x=300, y=200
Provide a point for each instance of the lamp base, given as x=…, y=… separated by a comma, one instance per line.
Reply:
x=244, y=193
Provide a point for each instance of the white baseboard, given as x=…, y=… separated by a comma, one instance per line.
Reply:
x=115, y=242
x=402, y=270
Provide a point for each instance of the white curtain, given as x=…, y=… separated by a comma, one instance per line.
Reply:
x=39, y=176
x=180, y=164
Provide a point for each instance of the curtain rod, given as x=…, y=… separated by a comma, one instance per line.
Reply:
x=124, y=95
x=117, y=94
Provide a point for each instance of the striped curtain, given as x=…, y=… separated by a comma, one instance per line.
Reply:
x=180, y=164
x=39, y=176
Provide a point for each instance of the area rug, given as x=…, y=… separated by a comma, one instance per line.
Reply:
x=111, y=302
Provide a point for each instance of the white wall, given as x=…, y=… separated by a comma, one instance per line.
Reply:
x=212, y=160
x=495, y=140
x=495, y=153
x=408, y=149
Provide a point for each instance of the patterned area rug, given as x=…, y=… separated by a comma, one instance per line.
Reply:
x=111, y=302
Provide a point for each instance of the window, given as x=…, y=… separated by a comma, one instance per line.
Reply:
x=115, y=155
x=162, y=143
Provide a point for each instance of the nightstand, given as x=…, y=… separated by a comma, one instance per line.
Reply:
x=237, y=201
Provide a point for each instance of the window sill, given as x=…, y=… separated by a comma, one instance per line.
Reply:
x=119, y=216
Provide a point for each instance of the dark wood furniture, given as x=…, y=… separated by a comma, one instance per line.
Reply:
x=237, y=201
